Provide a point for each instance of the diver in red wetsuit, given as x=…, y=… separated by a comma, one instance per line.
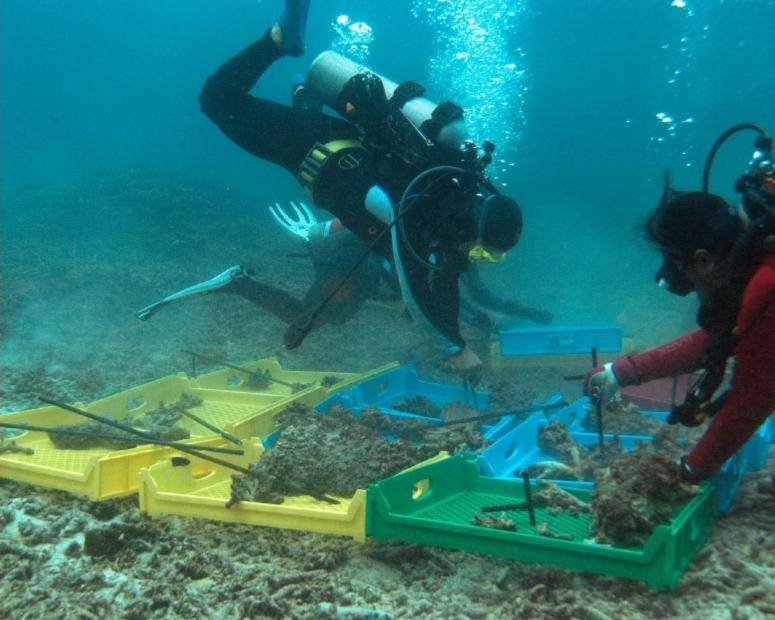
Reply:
x=730, y=264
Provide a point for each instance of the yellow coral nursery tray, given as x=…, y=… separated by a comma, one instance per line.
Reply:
x=288, y=382
x=104, y=473
x=262, y=423
x=190, y=487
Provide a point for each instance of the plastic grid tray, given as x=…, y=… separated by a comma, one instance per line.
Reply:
x=390, y=388
x=104, y=473
x=233, y=379
x=757, y=447
x=190, y=487
x=560, y=340
x=518, y=448
x=511, y=452
x=435, y=504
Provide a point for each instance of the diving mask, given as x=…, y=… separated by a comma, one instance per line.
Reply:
x=672, y=276
x=478, y=254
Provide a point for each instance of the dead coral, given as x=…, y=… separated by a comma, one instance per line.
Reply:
x=494, y=522
x=161, y=423
x=621, y=417
x=575, y=462
x=543, y=530
x=638, y=492
x=458, y=411
x=419, y=405
x=12, y=448
x=555, y=439
x=330, y=381
x=553, y=497
x=339, y=453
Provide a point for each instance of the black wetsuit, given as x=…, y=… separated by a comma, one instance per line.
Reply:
x=284, y=135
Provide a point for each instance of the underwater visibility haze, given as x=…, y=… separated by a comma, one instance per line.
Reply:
x=117, y=190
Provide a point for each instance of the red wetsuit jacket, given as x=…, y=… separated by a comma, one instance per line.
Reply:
x=752, y=396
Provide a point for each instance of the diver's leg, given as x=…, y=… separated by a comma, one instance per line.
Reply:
x=278, y=133
x=235, y=281
x=217, y=283
x=475, y=317
x=279, y=303
x=341, y=305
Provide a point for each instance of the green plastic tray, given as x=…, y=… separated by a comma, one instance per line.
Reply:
x=435, y=505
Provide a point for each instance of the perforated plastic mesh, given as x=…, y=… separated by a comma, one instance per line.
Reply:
x=462, y=507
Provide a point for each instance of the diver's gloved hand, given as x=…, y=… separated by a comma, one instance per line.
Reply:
x=292, y=26
x=465, y=363
x=299, y=224
x=601, y=383
x=543, y=317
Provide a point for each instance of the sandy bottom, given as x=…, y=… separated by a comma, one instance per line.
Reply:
x=70, y=285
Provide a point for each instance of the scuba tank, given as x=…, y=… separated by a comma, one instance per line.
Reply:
x=757, y=187
x=415, y=148
x=332, y=76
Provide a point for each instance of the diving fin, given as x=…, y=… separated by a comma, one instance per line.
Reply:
x=293, y=24
x=216, y=283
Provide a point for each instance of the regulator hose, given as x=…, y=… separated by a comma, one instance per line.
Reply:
x=720, y=141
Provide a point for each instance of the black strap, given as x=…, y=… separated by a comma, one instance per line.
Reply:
x=445, y=113
x=406, y=92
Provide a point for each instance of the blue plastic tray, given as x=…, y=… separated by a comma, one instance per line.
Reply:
x=757, y=447
x=400, y=384
x=382, y=392
x=518, y=447
x=390, y=388
x=560, y=340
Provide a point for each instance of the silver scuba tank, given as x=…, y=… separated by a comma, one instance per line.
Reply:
x=330, y=72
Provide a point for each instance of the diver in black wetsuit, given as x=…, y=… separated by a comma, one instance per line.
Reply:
x=334, y=251
x=454, y=208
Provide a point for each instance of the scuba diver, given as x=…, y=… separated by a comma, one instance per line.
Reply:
x=333, y=251
x=394, y=168
x=727, y=257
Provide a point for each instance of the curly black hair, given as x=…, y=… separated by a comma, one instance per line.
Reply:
x=685, y=222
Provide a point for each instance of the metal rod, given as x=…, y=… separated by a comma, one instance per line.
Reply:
x=215, y=429
x=528, y=496
x=134, y=431
x=74, y=432
x=504, y=507
x=490, y=416
x=594, y=357
x=573, y=377
x=252, y=373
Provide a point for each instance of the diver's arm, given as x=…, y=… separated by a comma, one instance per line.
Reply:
x=678, y=357
x=481, y=295
x=438, y=315
x=751, y=399
x=438, y=297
